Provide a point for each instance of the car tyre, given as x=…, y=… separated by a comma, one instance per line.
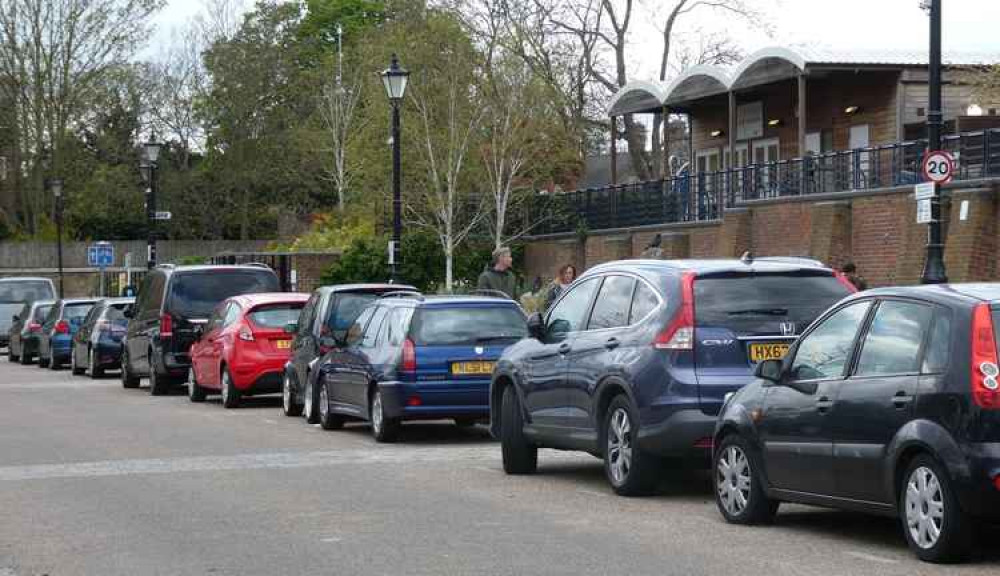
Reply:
x=128, y=380
x=93, y=367
x=159, y=385
x=520, y=456
x=54, y=362
x=327, y=419
x=739, y=493
x=11, y=357
x=289, y=403
x=310, y=401
x=43, y=362
x=935, y=526
x=230, y=393
x=195, y=392
x=26, y=358
x=384, y=429
x=630, y=471
x=465, y=422
x=76, y=370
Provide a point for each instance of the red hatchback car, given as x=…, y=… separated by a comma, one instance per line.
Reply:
x=243, y=348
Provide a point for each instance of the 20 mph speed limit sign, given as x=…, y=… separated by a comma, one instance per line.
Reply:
x=939, y=167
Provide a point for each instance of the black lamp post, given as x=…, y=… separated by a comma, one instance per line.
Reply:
x=934, y=272
x=56, y=185
x=147, y=166
x=394, y=78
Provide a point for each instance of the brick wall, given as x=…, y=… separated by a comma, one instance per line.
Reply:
x=876, y=230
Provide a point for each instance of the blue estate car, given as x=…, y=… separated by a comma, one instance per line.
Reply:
x=407, y=357
x=634, y=360
x=56, y=340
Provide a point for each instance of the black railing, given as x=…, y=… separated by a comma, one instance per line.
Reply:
x=702, y=196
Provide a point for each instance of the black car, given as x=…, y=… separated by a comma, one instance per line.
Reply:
x=323, y=321
x=62, y=322
x=172, y=304
x=26, y=329
x=633, y=360
x=888, y=404
x=97, y=345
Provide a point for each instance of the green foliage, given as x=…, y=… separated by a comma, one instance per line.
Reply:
x=354, y=16
x=363, y=261
x=335, y=231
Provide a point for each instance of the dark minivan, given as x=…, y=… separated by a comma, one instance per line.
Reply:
x=889, y=404
x=173, y=303
x=323, y=321
x=633, y=361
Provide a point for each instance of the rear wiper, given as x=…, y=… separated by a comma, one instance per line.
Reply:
x=761, y=311
x=494, y=338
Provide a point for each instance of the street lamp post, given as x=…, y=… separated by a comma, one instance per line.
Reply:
x=151, y=152
x=934, y=272
x=56, y=185
x=394, y=78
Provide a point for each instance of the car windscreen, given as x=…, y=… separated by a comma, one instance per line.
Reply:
x=76, y=310
x=41, y=312
x=347, y=309
x=276, y=315
x=467, y=325
x=196, y=294
x=764, y=303
x=24, y=291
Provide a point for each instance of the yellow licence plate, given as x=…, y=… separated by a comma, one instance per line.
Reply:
x=469, y=368
x=767, y=351
x=282, y=344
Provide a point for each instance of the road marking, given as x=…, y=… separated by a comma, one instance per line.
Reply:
x=872, y=557
x=331, y=539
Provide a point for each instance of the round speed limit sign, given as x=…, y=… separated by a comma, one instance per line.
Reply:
x=939, y=167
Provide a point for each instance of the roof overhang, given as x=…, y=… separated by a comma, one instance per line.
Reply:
x=695, y=83
x=637, y=98
x=767, y=66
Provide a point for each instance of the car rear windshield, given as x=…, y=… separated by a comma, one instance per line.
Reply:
x=195, y=295
x=467, y=325
x=347, y=309
x=276, y=315
x=76, y=310
x=24, y=291
x=762, y=303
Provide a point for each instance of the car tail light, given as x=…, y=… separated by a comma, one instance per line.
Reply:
x=34, y=327
x=414, y=401
x=246, y=335
x=705, y=443
x=679, y=334
x=409, y=363
x=996, y=481
x=985, y=388
x=843, y=279
x=62, y=327
x=166, y=326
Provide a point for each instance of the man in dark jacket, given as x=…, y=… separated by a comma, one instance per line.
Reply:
x=499, y=277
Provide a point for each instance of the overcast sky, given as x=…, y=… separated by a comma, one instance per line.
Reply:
x=969, y=26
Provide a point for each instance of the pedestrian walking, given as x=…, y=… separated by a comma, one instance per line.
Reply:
x=499, y=277
x=850, y=271
x=564, y=277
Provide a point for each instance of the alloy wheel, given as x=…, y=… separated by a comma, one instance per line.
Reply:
x=620, y=446
x=91, y=363
x=307, y=403
x=377, y=416
x=286, y=394
x=225, y=387
x=324, y=405
x=924, y=507
x=733, y=480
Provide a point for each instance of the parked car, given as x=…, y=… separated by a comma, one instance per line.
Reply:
x=24, y=332
x=243, y=349
x=411, y=358
x=172, y=303
x=888, y=404
x=323, y=321
x=56, y=337
x=632, y=362
x=97, y=345
x=15, y=293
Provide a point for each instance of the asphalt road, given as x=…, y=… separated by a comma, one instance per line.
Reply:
x=99, y=480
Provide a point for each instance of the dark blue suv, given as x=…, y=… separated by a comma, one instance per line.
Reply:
x=413, y=358
x=633, y=362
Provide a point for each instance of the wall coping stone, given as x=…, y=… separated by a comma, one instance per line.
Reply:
x=665, y=227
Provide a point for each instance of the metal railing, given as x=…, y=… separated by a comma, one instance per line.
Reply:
x=702, y=196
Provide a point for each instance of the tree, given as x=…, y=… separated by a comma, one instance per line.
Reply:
x=339, y=107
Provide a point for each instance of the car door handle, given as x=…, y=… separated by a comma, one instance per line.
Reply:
x=612, y=343
x=824, y=404
x=901, y=400
x=565, y=348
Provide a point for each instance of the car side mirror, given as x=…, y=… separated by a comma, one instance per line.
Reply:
x=536, y=326
x=770, y=370
x=291, y=328
x=15, y=318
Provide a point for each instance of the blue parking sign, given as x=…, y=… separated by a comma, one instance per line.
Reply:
x=101, y=254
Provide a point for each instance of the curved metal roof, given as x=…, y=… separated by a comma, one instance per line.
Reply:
x=697, y=82
x=637, y=97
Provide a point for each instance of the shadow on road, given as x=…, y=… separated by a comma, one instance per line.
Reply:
x=442, y=433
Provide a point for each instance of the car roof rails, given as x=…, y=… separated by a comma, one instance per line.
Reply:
x=403, y=294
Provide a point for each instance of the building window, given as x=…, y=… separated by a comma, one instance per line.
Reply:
x=920, y=112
